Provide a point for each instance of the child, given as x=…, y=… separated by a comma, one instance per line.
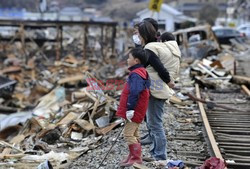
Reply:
x=167, y=36
x=133, y=104
x=168, y=40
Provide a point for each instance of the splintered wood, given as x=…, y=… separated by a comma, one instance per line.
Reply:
x=59, y=121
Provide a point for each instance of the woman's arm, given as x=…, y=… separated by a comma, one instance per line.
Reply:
x=156, y=63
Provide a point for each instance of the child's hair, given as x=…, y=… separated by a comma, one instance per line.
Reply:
x=140, y=54
x=167, y=36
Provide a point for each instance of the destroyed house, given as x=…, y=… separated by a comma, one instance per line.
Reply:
x=197, y=41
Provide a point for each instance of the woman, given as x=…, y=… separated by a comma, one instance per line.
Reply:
x=159, y=57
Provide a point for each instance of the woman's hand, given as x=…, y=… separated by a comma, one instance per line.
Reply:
x=171, y=84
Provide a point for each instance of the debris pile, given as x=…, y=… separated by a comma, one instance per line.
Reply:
x=55, y=111
x=218, y=67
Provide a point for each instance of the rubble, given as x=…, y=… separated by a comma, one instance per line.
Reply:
x=63, y=109
x=55, y=109
x=56, y=122
x=206, y=45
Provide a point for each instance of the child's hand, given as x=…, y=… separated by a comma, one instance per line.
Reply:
x=130, y=115
x=171, y=84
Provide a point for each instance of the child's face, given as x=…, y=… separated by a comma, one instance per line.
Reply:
x=132, y=61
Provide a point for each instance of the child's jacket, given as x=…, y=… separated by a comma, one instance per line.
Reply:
x=135, y=94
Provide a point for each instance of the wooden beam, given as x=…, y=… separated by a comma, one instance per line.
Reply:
x=105, y=130
x=85, y=41
x=139, y=166
x=9, y=145
x=41, y=23
x=113, y=39
x=7, y=156
x=176, y=100
x=241, y=80
x=101, y=41
x=213, y=142
x=61, y=40
x=206, y=70
x=58, y=42
x=245, y=89
x=72, y=79
x=67, y=119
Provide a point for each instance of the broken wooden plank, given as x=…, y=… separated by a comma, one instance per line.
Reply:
x=84, y=124
x=67, y=119
x=93, y=112
x=246, y=90
x=139, y=166
x=11, y=69
x=18, y=139
x=77, y=95
x=9, y=145
x=71, y=59
x=241, y=80
x=211, y=105
x=109, y=98
x=207, y=125
x=71, y=79
x=90, y=96
x=206, y=70
x=7, y=156
x=105, y=130
x=176, y=100
x=227, y=61
x=60, y=63
x=95, y=108
x=15, y=140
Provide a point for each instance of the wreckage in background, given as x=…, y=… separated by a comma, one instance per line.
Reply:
x=58, y=37
x=197, y=42
x=213, y=64
x=45, y=104
x=52, y=114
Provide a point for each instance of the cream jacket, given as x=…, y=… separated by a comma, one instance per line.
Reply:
x=169, y=54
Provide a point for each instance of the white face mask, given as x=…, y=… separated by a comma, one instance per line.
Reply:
x=136, y=39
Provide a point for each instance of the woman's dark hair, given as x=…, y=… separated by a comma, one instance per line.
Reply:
x=153, y=22
x=140, y=54
x=147, y=32
x=155, y=25
x=167, y=36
